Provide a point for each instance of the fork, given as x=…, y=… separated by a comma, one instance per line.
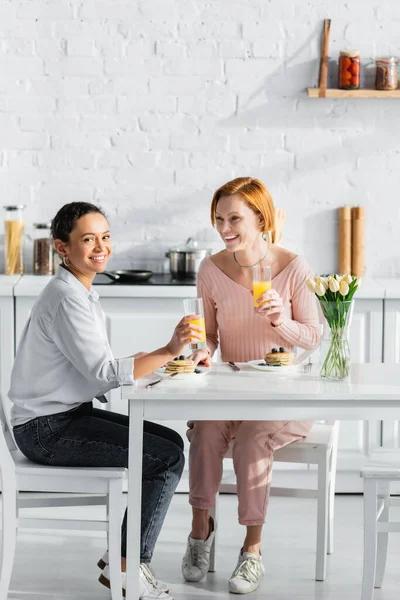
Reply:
x=150, y=385
x=308, y=366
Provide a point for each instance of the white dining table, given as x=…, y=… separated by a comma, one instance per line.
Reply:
x=372, y=391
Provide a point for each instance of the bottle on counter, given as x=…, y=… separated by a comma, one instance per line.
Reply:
x=386, y=77
x=14, y=239
x=42, y=249
x=349, y=70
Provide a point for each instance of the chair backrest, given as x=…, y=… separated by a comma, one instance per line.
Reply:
x=7, y=465
x=5, y=420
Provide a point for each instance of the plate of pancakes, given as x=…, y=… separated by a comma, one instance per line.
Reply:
x=278, y=360
x=182, y=368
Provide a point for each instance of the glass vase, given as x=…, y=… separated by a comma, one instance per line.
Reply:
x=335, y=349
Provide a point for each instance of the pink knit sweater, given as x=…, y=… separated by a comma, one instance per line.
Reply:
x=244, y=334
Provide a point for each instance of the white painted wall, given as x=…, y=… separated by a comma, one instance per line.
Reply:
x=146, y=107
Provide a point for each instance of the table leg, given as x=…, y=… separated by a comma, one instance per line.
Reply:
x=134, y=497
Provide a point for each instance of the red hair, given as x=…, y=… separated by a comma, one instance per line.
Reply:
x=254, y=193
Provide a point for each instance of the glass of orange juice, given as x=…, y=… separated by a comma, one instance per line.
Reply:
x=261, y=282
x=194, y=306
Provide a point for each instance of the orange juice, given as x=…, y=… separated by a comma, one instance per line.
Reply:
x=200, y=323
x=259, y=287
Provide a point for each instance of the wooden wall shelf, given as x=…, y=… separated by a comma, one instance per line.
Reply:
x=362, y=93
x=323, y=92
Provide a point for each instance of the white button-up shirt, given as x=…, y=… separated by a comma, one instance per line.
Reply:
x=64, y=357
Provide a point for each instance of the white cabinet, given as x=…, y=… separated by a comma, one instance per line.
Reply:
x=391, y=429
x=391, y=352
x=7, y=284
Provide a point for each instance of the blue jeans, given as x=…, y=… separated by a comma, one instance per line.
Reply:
x=89, y=437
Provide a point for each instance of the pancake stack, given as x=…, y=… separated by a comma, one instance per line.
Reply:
x=279, y=358
x=180, y=366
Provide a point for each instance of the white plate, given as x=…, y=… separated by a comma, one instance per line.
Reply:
x=255, y=364
x=203, y=371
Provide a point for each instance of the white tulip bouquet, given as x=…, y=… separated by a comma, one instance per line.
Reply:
x=335, y=294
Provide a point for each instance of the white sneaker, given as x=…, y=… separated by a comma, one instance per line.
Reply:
x=147, y=584
x=161, y=585
x=196, y=562
x=247, y=574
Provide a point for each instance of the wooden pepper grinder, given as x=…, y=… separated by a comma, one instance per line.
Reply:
x=344, y=266
x=357, y=254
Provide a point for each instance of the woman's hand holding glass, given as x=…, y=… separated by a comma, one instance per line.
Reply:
x=184, y=333
x=271, y=306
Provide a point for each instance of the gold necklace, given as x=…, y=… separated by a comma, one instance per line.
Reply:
x=250, y=266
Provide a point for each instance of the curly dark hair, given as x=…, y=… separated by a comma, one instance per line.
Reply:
x=64, y=221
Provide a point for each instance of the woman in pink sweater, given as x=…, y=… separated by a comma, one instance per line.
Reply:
x=243, y=213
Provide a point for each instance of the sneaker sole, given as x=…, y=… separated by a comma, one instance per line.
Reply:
x=106, y=583
x=194, y=580
x=243, y=592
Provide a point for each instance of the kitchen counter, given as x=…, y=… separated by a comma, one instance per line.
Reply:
x=158, y=286
x=370, y=289
x=7, y=283
x=391, y=287
x=163, y=286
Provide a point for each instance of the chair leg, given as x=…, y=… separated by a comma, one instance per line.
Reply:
x=322, y=517
x=332, y=487
x=214, y=514
x=114, y=537
x=382, y=540
x=370, y=538
x=9, y=538
x=108, y=519
x=331, y=519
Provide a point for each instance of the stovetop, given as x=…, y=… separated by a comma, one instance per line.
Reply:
x=155, y=279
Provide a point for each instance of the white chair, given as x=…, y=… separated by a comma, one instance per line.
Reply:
x=18, y=474
x=318, y=448
x=378, y=474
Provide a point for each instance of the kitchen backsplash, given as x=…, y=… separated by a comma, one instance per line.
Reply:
x=145, y=108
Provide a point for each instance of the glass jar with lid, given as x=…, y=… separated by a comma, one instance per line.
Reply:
x=349, y=70
x=42, y=249
x=386, y=77
x=14, y=239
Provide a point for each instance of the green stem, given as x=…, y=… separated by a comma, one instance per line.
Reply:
x=337, y=361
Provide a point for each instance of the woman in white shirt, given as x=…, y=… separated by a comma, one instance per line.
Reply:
x=64, y=361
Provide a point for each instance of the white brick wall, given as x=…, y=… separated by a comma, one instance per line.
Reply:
x=147, y=106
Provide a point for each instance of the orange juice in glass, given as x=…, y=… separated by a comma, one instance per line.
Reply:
x=261, y=282
x=194, y=306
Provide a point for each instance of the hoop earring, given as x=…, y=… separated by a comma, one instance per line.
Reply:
x=64, y=261
x=265, y=236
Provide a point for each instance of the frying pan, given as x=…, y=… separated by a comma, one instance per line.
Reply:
x=128, y=276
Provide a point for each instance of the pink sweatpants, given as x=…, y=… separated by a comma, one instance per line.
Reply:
x=254, y=444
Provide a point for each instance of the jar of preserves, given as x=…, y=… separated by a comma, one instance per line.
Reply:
x=14, y=239
x=42, y=249
x=386, y=77
x=349, y=70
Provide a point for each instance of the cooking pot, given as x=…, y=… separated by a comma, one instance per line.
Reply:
x=184, y=261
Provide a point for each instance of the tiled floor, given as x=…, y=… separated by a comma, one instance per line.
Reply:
x=50, y=565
